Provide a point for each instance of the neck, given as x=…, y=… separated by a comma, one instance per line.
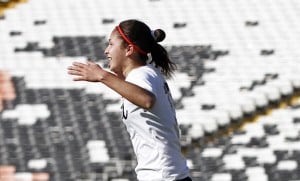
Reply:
x=132, y=65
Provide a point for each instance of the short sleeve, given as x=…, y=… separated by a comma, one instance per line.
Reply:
x=143, y=77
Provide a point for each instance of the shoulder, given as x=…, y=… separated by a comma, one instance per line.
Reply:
x=146, y=77
x=143, y=72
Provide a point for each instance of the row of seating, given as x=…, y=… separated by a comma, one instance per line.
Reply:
x=255, y=152
x=66, y=131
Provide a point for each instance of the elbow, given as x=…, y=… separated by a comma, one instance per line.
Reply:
x=149, y=102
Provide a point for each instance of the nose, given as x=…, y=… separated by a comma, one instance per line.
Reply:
x=106, y=51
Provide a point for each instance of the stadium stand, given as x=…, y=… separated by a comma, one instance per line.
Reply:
x=236, y=89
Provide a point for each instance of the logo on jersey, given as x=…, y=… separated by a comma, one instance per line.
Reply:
x=124, y=113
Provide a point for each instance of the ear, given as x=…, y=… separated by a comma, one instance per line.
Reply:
x=129, y=50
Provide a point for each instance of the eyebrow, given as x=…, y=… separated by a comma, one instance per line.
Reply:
x=108, y=41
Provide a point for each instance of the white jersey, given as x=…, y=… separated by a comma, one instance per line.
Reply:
x=154, y=133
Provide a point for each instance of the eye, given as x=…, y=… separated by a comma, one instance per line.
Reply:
x=107, y=43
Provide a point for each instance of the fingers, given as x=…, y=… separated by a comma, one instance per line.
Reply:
x=79, y=76
x=78, y=79
x=74, y=72
x=78, y=64
x=76, y=68
x=84, y=72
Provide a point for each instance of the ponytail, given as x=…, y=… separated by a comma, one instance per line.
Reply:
x=160, y=55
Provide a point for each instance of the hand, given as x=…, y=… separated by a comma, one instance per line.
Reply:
x=86, y=72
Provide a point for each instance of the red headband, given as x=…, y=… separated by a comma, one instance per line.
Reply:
x=129, y=42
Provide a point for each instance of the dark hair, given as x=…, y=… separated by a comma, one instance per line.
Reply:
x=141, y=36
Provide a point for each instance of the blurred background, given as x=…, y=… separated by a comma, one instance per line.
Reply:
x=236, y=88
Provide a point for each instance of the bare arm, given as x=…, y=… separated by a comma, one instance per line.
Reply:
x=92, y=72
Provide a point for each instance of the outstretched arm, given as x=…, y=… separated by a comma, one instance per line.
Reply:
x=92, y=72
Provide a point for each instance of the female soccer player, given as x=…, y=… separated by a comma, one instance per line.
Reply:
x=147, y=106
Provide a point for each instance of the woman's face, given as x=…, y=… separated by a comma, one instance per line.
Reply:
x=115, y=53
